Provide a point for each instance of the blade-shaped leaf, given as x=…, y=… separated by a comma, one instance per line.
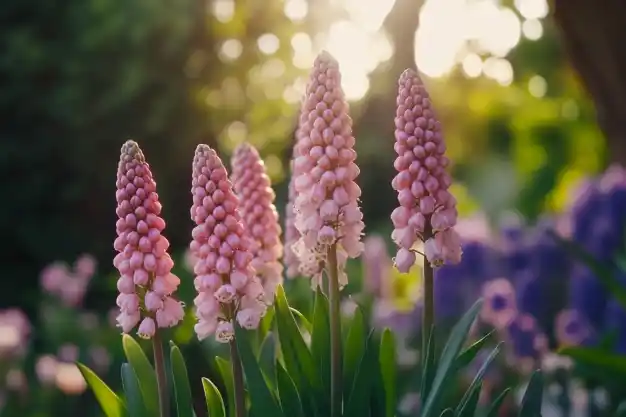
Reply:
x=226, y=371
x=449, y=354
x=471, y=402
x=353, y=352
x=267, y=358
x=533, y=397
x=289, y=397
x=596, y=357
x=303, y=320
x=296, y=355
x=214, y=402
x=358, y=402
x=182, y=389
x=477, y=379
x=494, y=408
x=468, y=355
x=261, y=398
x=602, y=271
x=132, y=392
x=388, y=371
x=111, y=404
x=429, y=366
x=144, y=371
x=320, y=339
x=448, y=412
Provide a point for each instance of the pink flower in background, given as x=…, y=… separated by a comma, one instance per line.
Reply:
x=259, y=216
x=227, y=285
x=327, y=210
x=573, y=328
x=427, y=210
x=69, y=285
x=14, y=332
x=499, y=308
x=143, y=261
x=68, y=353
x=376, y=267
x=46, y=369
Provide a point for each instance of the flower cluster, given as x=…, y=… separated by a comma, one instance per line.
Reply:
x=146, y=283
x=328, y=216
x=259, y=216
x=225, y=280
x=69, y=285
x=427, y=210
x=15, y=329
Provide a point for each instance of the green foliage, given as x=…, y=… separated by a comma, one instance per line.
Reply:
x=111, y=404
x=226, y=373
x=142, y=368
x=532, y=401
x=132, y=392
x=214, y=402
x=180, y=378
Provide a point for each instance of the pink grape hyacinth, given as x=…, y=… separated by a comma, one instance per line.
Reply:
x=227, y=285
x=146, y=284
x=259, y=216
x=292, y=235
x=327, y=210
x=427, y=210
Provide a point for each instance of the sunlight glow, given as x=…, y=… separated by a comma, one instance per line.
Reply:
x=223, y=10
x=369, y=16
x=472, y=65
x=499, y=69
x=231, y=50
x=532, y=9
x=532, y=29
x=296, y=9
x=268, y=43
x=537, y=86
x=358, y=53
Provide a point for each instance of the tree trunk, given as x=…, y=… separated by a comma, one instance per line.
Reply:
x=593, y=34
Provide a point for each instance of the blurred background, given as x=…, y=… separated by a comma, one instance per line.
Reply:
x=530, y=93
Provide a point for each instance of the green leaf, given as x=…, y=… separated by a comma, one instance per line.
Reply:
x=467, y=356
x=477, y=381
x=494, y=409
x=448, y=412
x=111, y=404
x=533, y=397
x=182, y=389
x=358, y=403
x=430, y=365
x=387, y=358
x=597, y=358
x=471, y=402
x=320, y=339
x=296, y=355
x=144, y=371
x=354, y=351
x=261, y=398
x=226, y=371
x=305, y=323
x=214, y=402
x=450, y=352
x=132, y=392
x=267, y=358
x=289, y=397
x=603, y=272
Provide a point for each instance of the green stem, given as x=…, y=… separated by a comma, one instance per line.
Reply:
x=239, y=390
x=159, y=366
x=334, y=298
x=428, y=315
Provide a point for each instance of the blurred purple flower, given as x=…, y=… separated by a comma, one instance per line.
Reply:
x=573, y=328
x=499, y=308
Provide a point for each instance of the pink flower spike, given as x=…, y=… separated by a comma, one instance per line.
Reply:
x=142, y=261
x=259, y=216
x=326, y=204
x=225, y=279
x=427, y=211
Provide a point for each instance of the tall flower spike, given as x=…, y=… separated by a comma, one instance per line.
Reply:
x=327, y=210
x=146, y=284
x=226, y=282
x=427, y=210
x=259, y=216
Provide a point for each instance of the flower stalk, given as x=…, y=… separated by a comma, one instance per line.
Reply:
x=159, y=366
x=238, y=386
x=334, y=298
x=428, y=315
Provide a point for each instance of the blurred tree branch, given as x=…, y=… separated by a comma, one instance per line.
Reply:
x=592, y=33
